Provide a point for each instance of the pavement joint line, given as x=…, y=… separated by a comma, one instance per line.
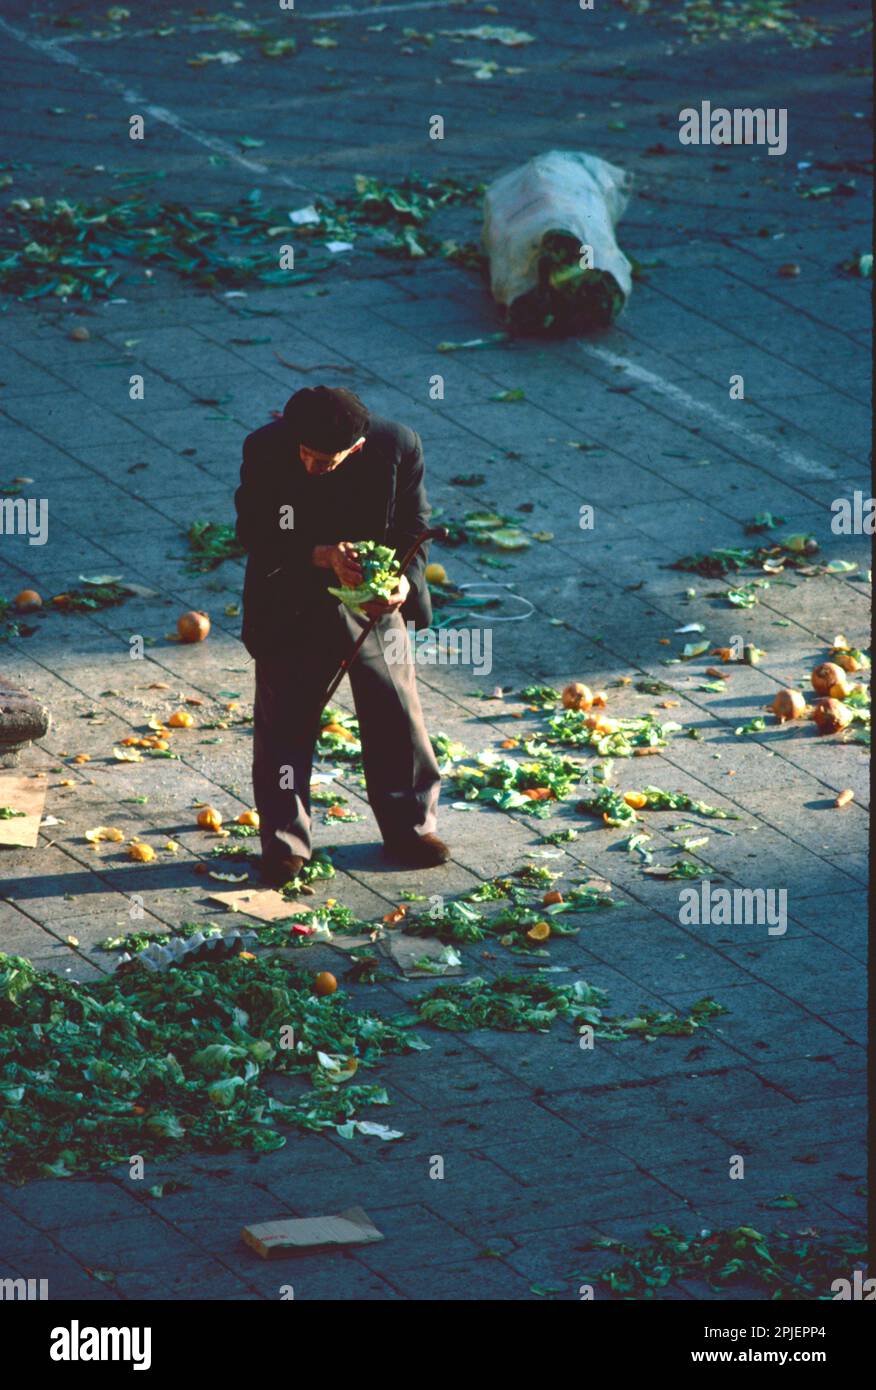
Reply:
x=135, y=100
x=783, y=304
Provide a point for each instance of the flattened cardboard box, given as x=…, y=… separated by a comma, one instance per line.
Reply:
x=264, y=903
x=352, y=1227
x=22, y=792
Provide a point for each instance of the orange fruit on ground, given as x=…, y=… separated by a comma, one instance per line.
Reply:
x=181, y=719
x=540, y=932
x=248, y=818
x=636, y=799
x=788, y=704
x=830, y=679
x=552, y=896
x=142, y=853
x=209, y=818
x=601, y=725
x=325, y=983
x=338, y=729
x=193, y=627
x=27, y=601
x=831, y=715
x=577, y=696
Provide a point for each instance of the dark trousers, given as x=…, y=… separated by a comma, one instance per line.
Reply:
x=400, y=768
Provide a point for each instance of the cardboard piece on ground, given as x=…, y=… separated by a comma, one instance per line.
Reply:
x=271, y=1238
x=407, y=950
x=599, y=885
x=22, y=793
x=264, y=903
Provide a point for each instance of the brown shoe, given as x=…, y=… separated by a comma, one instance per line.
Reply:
x=277, y=871
x=418, y=851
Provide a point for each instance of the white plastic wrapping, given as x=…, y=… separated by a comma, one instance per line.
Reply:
x=563, y=190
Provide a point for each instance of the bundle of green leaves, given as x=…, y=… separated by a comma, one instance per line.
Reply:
x=380, y=571
x=567, y=298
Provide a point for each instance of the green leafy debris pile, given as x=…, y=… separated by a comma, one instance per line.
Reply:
x=87, y=600
x=620, y=739
x=511, y=785
x=160, y=1063
x=447, y=751
x=738, y=19
x=780, y=1266
x=15, y=624
x=318, y=867
x=380, y=571
x=522, y=909
x=402, y=212
x=520, y=1005
x=509, y=1004
x=858, y=701
x=211, y=542
x=611, y=805
x=73, y=248
x=543, y=695
x=339, y=736
x=795, y=552
x=487, y=528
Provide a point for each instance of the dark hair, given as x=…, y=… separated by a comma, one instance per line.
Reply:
x=326, y=418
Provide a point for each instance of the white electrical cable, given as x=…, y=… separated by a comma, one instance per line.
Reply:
x=495, y=591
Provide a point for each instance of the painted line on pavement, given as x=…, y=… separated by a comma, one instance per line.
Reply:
x=138, y=103
x=791, y=458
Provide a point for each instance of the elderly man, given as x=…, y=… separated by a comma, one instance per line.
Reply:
x=313, y=484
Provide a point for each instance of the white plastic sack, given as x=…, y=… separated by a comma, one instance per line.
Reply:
x=564, y=191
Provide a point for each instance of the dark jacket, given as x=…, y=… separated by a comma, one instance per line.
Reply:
x=377, y=494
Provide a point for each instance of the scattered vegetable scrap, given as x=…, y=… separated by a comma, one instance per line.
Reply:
x=780, y=1266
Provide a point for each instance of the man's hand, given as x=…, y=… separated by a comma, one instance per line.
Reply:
x=379, y=607
x=343, y=558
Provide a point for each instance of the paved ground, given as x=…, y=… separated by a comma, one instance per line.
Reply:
x=544, y=1145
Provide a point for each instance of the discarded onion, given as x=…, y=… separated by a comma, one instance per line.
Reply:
x=788, y=704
